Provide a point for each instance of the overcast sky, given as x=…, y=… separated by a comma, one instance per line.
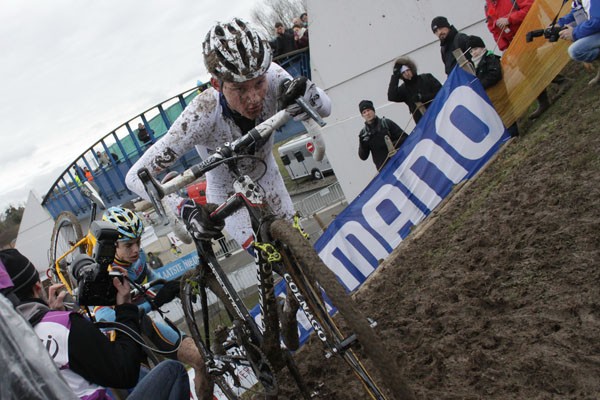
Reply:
x=73, y=70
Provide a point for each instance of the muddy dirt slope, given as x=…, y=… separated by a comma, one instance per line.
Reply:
x=499, y=297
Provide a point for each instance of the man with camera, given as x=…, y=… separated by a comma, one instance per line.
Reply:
x=582, y=27
x=86, y=358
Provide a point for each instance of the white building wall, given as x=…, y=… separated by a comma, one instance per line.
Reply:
x=353, y=45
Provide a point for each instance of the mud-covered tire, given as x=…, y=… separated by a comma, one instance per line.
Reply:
x=294, y=245
x=67, y=231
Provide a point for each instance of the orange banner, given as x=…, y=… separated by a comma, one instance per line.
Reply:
x=528, y=68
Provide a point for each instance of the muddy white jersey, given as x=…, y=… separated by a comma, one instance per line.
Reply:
x=203, y=125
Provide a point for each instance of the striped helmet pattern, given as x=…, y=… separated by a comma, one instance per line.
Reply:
x=234, y=52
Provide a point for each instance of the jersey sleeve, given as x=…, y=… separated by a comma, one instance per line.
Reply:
x=194, y=124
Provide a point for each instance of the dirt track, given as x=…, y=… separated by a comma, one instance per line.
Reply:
x=499, y=298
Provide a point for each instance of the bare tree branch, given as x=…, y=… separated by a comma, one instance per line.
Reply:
x=267, y=12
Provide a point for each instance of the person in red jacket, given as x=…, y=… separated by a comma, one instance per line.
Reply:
x=504, y=17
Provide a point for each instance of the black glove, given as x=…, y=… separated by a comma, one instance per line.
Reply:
x=197, y=220
x=167, y=293
x=290, y=90
x=300, y=87
x=364, y=135
x=397, y=70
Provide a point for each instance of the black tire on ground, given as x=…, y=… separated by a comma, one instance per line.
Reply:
x=300, y=251
x=67, y=232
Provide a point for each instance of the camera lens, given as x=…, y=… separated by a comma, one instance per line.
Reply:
x=83, y=265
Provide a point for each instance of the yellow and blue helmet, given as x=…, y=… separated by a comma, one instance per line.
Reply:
x=129, y=225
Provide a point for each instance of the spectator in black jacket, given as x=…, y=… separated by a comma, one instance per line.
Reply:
x=88, y=360
x=284, y=42
x=450, y=40
x=488, y=69
x=487, y=65
x=380, y=137
x=417, y=91
x=144, y=136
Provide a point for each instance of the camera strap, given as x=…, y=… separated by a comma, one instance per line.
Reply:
x=558, y=13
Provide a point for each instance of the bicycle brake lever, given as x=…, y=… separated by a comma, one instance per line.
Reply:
x=310, y=111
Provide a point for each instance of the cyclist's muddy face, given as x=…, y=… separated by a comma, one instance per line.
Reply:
x=246, y=97
x=128, y=250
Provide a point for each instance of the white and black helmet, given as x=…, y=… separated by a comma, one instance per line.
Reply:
x=234, y=52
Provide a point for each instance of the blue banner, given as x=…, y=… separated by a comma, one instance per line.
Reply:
x=176, y=268
x=458, y=134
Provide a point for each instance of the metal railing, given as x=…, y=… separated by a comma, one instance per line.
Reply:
x=316, y=202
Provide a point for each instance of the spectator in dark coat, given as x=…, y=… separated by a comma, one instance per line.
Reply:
x=450, y=40
x=487, y=65
x=417, y=91
x=143, y=135
x=380, y=137
x=284, y=42
x=300, y=36
x=488, y=69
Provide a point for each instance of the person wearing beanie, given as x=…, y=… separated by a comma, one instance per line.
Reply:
x=86, y=358
x=488, y=69
x=417, y=91
x=7, y=287
x=450, y=40
x=486, y=64
x=380, y=137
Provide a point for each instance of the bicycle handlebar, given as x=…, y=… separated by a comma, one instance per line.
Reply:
x=139, y=289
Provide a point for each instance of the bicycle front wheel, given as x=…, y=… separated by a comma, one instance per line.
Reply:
x=234, y=363
x=66, y=233
x=311, y=276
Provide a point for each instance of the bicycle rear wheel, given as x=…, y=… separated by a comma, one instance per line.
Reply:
x=66, y=233
x=234, y=362
x=311, y=275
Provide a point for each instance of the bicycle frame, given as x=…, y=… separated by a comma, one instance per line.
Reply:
x=89, y=241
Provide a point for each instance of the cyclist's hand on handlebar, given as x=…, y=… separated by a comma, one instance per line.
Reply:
x=167, y=293
x=197, y=220
x=300, y=87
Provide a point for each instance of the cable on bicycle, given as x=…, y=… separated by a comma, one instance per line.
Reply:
x=133, y=335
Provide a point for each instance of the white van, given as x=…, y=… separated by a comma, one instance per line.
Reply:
x=297, y=156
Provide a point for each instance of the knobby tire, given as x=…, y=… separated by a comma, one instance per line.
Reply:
x=319, y=275
x=67, y=231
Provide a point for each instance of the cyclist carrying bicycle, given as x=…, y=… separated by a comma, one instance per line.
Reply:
x=131, y=257
x=245, y=89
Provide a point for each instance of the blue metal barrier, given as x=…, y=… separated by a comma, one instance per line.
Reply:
x=123, y=149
